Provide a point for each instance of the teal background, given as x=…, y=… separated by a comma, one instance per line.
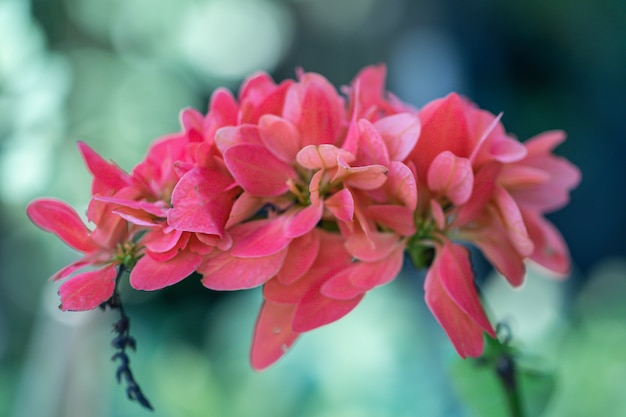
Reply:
x=116, y=74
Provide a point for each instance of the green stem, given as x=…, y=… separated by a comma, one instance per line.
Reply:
x=506, y=369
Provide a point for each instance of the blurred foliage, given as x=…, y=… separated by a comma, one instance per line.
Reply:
x=481, y=382
x=116, y=74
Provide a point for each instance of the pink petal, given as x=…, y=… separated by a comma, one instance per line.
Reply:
x=456, y=276
x=259, y=95
x=316, y=310
x=378, y=246
x=484, y=126
x=141, y=213
x=107, y=175
x=397, y=218
x=137, y=217
x=512, y=218
x=201, y=202
x=315, y=108
x=257, y=170
x=484, y=185
x=57, y=217
x=500, y=252
x=273, y=335
x=149, y=274
x=331, y=258
x=372, y=149
x=507, y=150
x=161, y=240
x=88, y=290
x=516, y=175
x=341, y=205
x=280, y=137
x=464, y=333
x=322, y=156
x=259, y=238
x=192, y=121
x=437, y=212
x=339, y=286
x=71, y=268
x=230, y=136
x=401, y=184
x=545, y=142
x=244, y=208
x=444, y=128
x=370, y=84
x=367, y=275
x=300, y=257
x=304, y=220
x=223, y=110
x=400, y=133
x=366, y=178
x=451, y=176
x=554, y=192
x=550, y=248
x=227, y=273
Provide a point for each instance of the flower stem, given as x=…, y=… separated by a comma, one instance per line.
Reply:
x=503, y=360
x=121, y=341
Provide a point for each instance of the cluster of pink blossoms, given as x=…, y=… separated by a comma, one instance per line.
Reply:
x=317, y=196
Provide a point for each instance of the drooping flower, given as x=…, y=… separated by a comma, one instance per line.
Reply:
x=110, y=244
x=477, y=184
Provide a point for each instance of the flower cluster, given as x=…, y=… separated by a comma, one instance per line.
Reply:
x=317, y=196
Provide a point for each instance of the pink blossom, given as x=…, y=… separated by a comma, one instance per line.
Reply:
x=110, y=244
x=317, y=196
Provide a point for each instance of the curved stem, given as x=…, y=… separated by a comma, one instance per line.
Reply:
x=121, y=341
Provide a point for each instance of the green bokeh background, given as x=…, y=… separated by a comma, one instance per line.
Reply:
x=116, y=74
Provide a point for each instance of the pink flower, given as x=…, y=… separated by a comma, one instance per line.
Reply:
x=106, y=247
x=479, y=185
x=294, y=165
x=451, y=296
x=317, y=196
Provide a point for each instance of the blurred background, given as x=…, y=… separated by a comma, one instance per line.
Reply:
x=116, y=74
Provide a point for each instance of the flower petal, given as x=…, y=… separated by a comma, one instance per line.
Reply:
x=367, y=275
x=378, y=246
x=227, y=273
x=57, y=217
x=257, y=170
x=322, y=156
x=108, y=176
x=512, y=219
x=400, y=133
x=300, y=257
x=451, y=176
x=371, y=149
x=273, y=335
x=259, y=238
x=551, y=251
x=456, y=276
x=339, y=286
x=88, y=290
x=316, y=310
x=201, y=201
x=315, y=108
x=401, y=184
x=464, y=333
x=149, y=274
x=341, y=205
x=397, y=218
x=366, y=178
x=304, y=220
x=280, y=137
